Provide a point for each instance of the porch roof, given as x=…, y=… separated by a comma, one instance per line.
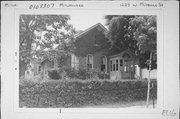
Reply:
x=127, y=50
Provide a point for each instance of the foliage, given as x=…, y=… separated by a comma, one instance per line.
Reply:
x=83, y=74
x=144, y=31
x=73, y=73
x=138, y=33
x=80, y=74
x=143, y=63
x=120, y=37
x=53, y=74
x=80, y=93
x=41, y=33
x=144, y=28
x=68, y=72
x=103, y=76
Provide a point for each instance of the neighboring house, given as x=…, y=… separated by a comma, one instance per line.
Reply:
x=92, y=52
x=42, y=67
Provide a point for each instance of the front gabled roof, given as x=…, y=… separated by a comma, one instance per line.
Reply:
x=99, y=25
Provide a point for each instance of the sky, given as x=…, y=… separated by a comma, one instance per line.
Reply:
x=84, y=21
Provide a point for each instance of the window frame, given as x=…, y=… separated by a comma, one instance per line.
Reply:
x=117, y=65
x=87, y=64
x=105, y=62
x=121, y=62
x=74, y=61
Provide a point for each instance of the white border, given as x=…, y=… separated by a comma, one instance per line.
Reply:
x=106, y=8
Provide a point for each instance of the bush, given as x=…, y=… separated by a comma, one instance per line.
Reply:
x=53, y=74
x=76, y=93
x=103, y=76
x=73, y=73
x=83, y=73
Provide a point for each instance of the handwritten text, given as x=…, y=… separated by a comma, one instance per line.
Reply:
x=171, y=113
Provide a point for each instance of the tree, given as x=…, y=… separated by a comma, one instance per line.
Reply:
x=39, y=33
x=119, y=35
x=137, y=33
x=145, y=33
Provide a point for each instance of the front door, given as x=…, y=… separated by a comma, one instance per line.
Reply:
x=125, y=71
x=114, y=68
x=128, y=69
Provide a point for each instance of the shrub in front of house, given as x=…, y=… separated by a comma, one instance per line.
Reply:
x=70, y=72
x=82, y=74
x=85, y=74
x=53, y=74
x=103, y=75
x=79, y=93
x=73, y=73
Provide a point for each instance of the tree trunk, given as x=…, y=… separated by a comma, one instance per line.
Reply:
x=148, y=90
x=22, y=64
x=29, y=41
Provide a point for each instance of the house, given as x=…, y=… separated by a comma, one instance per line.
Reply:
x=48, y=64
x=92, y=52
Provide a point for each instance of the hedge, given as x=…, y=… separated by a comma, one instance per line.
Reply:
x=72, y=73
x=80, y=93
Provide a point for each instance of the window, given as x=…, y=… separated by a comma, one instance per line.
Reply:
x=121, y=62
x=74, y=61
x=39, y=70
x=125, y=65
x=116, y=65
x=103, y=63
x=89, y=62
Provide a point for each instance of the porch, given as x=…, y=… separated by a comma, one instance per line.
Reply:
x=122, y=66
